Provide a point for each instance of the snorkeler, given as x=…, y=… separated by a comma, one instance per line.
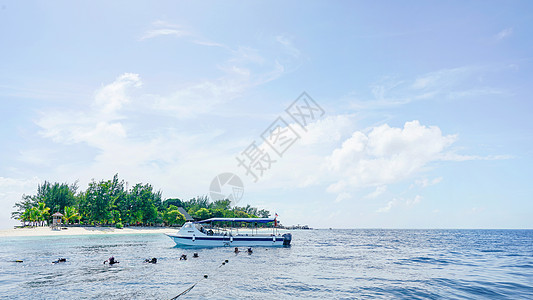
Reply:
x=151, y=261
x=111, y=261
x=59, y=260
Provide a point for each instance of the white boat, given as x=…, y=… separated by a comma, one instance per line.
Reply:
x=206, y=234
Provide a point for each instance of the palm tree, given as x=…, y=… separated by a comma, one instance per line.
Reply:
x=25, y=216
x=71, y=213
x=42, y=212
x=33, y=216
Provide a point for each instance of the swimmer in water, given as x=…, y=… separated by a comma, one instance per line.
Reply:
x=59, y=260
x=151, y=261
x=111, y=261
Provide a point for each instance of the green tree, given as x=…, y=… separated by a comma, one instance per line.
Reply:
x=34, y=216
x=203, y=213
x=70, y=214
x=145, y=200
x=172, y=216
x=57, y=195
x=118, y=196
x=229, y=214
x=105, y=202
x=196, y=203
x=217, y=213
x=221, y=204
x=241, y=214
x=251, y=211
x=172, y=201
x=29, y=215
x=96, y=202
x=43, y=212
x=110, y=201
x=24, y=216
x=263, y=213
x=22, y=208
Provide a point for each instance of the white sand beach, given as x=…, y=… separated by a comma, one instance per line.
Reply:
x=47, y=231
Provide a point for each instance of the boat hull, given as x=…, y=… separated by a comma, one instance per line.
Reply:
x=232, y=241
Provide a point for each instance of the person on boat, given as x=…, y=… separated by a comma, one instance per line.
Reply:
x=111, y=261
x=236, y=250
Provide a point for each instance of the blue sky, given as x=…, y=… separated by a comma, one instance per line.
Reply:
x=427, y=105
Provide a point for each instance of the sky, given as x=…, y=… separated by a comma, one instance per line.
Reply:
x=341, y=114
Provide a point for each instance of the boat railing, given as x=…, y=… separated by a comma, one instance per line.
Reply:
x=218, y=231
x=212, y=230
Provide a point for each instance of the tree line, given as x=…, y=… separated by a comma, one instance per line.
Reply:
x=111, y=202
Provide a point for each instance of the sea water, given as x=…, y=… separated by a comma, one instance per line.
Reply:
x=331, y=264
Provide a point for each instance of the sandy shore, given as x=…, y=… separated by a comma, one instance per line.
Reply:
x=47, y=231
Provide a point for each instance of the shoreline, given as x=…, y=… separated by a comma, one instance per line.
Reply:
x=93, y=230
x=47, y=231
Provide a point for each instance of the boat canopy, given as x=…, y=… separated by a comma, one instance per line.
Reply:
x=248, y=220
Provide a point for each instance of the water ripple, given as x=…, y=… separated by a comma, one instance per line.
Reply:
x=340, y=264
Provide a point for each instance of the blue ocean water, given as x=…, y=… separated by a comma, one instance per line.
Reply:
x=333, y=264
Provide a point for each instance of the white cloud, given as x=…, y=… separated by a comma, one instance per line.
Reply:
x=128, y=139
x=425, y=182
x=201, y=98
x=378, y=192
x=376, y=157
x=11, y=191
x=122, y=125
x=161, y=28
x=163, y=31
x=449, y=83
x=244, y=69
x=395, y=202
x=386, y=155
x=341, y=197
x=414, y=201
x=287, y=43
x=111, y=97
x=504, y=33
x=445, y=78
x=451, y=156
x=476, y=210
x=97, y=127
x=303, y=164
x=327, y=130
x=388, y=207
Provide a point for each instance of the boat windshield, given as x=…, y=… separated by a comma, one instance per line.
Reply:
x=187, y=225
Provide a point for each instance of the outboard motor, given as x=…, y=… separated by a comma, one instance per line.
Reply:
x=287, y=237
